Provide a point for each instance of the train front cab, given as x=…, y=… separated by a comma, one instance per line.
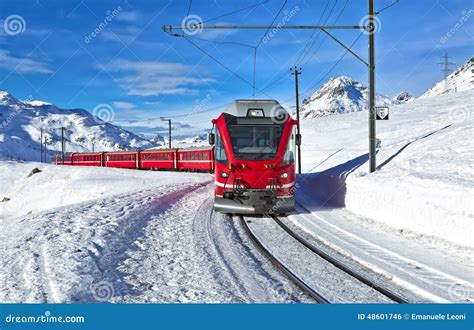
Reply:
x=254, y=158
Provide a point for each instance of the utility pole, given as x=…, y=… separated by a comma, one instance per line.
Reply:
x=93, y=143
x=446, y=68
x=372, y=118
x=41, y=145
x=370, y=28
x=62, y=144
x=45, y=149
x=169, y=130
x=296, y=72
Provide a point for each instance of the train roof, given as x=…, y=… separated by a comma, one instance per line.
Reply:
x=196, y=148
x=241, y=108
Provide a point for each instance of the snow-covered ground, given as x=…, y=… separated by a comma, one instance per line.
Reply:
x=57, y=186
x=425, y=178
x=124, y=236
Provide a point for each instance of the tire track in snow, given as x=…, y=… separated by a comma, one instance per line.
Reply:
x=66, y=250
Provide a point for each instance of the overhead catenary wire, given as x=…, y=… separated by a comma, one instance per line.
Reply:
x=233, y=12
x=189, y=7
x=283, y=75
x=258, y=45
x=311, y=88
x=386, y=7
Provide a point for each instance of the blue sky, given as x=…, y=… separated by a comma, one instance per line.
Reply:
x=81, y=54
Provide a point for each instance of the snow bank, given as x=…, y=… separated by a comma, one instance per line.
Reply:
x=57, y=186
x=425, y=178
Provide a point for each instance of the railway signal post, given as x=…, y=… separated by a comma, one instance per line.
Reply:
x=296, y=72
x=62, y=144
x=41, y=145
x=169, y=130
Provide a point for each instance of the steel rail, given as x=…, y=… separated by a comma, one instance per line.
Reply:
x=281, y=267
x=340, y=265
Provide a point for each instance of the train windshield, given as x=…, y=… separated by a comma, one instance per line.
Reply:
x=255, y=142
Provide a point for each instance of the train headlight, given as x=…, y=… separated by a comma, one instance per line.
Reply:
x=224, y=175
x=255, y=113
x=284, y=175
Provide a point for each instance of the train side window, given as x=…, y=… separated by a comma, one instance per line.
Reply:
x=219, y=150
x=289, y=156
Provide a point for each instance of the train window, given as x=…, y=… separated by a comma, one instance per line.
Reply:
x=219, y=150
x=255, y=142
x=289, y=156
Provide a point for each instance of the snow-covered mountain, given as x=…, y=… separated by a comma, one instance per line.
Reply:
x=462, y=79
x=403, y=97
x=21, y=122
x=339, y=95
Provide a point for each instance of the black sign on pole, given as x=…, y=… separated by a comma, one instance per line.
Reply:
x=382, y=113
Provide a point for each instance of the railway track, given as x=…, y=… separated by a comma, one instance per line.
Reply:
x=298, y=280
x=391, y=295
x=281, y=266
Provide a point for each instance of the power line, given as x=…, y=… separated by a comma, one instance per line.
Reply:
x=282, y=75
x=325, y=37
x=301, y=58
x=213, y=41
x=311, y=88
x=386, y=7
x=189, y=7
x=273, y=21
x=233, y=12
x=258, y=45
x=219, y=62
x=314, y=31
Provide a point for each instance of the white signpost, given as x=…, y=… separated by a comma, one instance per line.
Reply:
x=382, y=113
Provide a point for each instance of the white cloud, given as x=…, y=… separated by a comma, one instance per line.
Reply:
x=148, y=78
x=132, y=16
x=123, y=105
x=22, y=64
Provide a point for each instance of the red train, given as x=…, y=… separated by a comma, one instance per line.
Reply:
x=254, y=158
x=189, y=159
